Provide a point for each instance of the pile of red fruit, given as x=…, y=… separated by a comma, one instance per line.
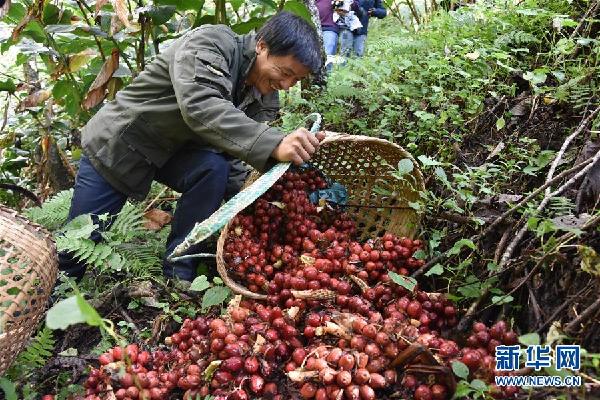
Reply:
x=334, y=326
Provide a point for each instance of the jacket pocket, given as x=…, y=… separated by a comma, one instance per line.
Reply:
x=140, y=137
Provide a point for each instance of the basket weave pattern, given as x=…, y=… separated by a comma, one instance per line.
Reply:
x=28, y=269
x=377, y=202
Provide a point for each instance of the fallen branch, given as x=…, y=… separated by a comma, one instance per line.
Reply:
x=537, y=191
x=506, y=214
x=513, y=244
x=566, y=144
x=587, y=313
x=561, y=308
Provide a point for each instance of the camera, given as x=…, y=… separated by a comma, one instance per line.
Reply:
x=336, y=4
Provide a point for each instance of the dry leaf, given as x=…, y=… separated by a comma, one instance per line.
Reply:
x=33, y=100
x=79, y=60
x=115, y=25
x=155, y=219
x=499, y=147
x=4, y=8
x=97, y=91
x=99, y=5
x=122, y=12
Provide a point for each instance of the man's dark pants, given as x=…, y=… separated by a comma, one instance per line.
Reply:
x=199, y=175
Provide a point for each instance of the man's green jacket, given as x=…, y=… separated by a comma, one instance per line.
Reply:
x=193, y=94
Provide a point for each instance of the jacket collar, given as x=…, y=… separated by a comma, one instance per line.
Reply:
x=249, y=52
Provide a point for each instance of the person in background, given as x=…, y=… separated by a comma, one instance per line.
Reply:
x=347, y=20
x=329, y=28
x=367, y=9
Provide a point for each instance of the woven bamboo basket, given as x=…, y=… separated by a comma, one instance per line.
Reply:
x=376, y=201
x=28, y=269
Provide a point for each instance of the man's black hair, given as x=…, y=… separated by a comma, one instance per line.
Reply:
x=288, y=34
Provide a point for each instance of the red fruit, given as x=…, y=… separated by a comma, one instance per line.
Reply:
x=251, y=365
x=343, y=378
x=377, y=381
x=48, y=397
x=439, y=392
x=510, y=338
x=366, y=392
x=126, y=380
x=423, y=393
x=239, y=394
x=257, y=384
x=298, y=356
x=232, y=364
x=346, y=362
x=409, y=381
x=483, y=337
x=414, y=309
x=369, y=331
x=308, y=390
x=105, y=359
x=361, y=376
x=479, y=326
x=132, y=351
x=327, y=375
x=117, y=353
x=143, y=358
x=472, y=359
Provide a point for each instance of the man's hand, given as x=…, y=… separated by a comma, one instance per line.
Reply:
x=298, y=147
x=370, y=12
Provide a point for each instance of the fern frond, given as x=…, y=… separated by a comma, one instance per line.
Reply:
x=129, y=222
x=37, y=353
x=53, y=212
x=515, y=38
x=142, y=259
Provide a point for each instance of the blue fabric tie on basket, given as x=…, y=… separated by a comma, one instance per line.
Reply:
x=336, y=193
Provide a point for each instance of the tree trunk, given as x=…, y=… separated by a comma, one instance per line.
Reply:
x=314, y=16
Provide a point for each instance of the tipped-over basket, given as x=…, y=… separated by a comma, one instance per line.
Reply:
x=377, y=200
x=28, y=269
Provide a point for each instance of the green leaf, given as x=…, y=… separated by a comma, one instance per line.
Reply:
x=269, y=3
x=463, y=389
x=182, y=5
x=71, y=311
x=160, y=14
x=200, y=284
x=405, y=166
x=530, y=339
x=478, y=384
x=80, y=227
x=459, y=245
x=215, y=296
x=245, y=27
x=7, y=86
x=437, y=269
x=51, y=14
x=460, y=369
x=441, y=174
x=9, y=389
x=535, y=77
x=405, y=281
x=420, y=255
x=500, y=123
x=298, y=8
x=502, y=299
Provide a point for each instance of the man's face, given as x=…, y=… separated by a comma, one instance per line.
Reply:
x=270, y=73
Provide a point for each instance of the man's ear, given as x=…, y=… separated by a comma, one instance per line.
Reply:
x=261, y=47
